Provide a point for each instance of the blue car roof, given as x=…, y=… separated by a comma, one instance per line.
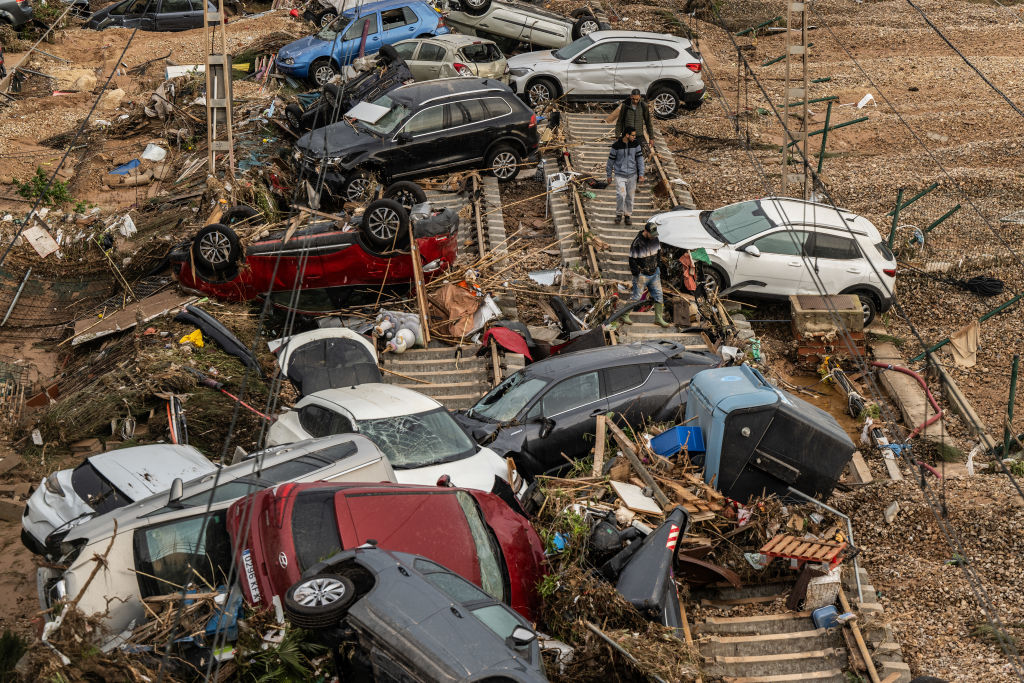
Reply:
x=374, y=6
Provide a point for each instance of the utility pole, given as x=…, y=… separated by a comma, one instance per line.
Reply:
x=219, y=138
x=796, y=57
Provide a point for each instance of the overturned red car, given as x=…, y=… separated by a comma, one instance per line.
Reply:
x=371, y=249
x=278, y=533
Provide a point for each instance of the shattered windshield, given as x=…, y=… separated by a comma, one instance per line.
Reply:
x=574, y=48
x=737, y=222
x=419, y=440
x=506, y=400
x=388, y=122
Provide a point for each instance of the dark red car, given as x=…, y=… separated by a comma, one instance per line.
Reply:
x=279, y=533
x=371, y=250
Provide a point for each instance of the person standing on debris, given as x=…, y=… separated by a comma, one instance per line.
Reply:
x=634, y=113
x=625, y=168
x=645, y=265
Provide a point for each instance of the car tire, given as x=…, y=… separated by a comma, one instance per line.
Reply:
x=321, y=71
x=475, y=8
x=293, y=115
x=584, y=25
x=868, y=306
x=242, y=214
x=541, y=91
x=357, y=187
x=319, y=601
x=713, y=279
x=503, y=162
x=326, y=18
x=665, y=102
x=385, y=225
x=406, y=193
x=216, y=248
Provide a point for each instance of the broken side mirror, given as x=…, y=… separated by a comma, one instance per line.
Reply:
x=522, y=636
x=546, y=425
x=177, y=490
x=580, y=60
x=403, y=138
x=752, y=250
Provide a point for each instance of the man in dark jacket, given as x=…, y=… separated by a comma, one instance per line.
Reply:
x=636, y=114
x=625, y=168
x=645, y=265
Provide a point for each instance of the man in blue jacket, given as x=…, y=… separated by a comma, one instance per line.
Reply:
x=625, y=167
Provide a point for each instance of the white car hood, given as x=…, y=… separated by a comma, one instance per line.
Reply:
x=533, y=60
x=475, y=472
x=48, y=511
x=683, y=229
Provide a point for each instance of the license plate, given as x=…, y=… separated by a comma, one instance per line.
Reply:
x=250, y=575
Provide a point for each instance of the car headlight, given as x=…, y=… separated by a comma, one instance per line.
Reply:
x=519, y=71
x=334, y=161
x=288, y=61
x=53, y=486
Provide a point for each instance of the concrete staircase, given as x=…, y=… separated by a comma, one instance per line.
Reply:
x=456, y=380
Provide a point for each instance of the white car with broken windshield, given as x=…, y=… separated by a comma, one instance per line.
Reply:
x=420, y=437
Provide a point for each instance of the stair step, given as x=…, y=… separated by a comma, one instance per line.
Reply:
x=824, y=676
x=464, y=374
x=458, y=402
x=447, y=352
x=769, y=643
x=476, y=389
x=787, y=663
x=760, y=623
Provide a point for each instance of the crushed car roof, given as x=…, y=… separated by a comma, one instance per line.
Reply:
x=144, y=470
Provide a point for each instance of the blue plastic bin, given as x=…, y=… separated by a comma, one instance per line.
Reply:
x=825, y=617
x=671, y=442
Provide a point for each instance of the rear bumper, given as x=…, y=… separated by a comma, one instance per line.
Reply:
x=693, y=97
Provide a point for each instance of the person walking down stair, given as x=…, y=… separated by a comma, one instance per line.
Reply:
x=635, y=113
x=645, y=265
x=625, y=168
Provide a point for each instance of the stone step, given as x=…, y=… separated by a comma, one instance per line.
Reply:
x=440, y=366
x=824, y=676
x=460, y=402
x=440, y=353
x=808, y=661
x=770, y=643
x=462, y=375
x=438, y=389
x=761, y=623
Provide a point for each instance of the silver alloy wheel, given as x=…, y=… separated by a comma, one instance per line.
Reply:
x=539, y=93
x=665, y=104
x=475, y=4
x=357, y=190
x=865, y=310
x=589, y=26
x=711, y=282
x=215, y=247
x=383, y=222
x=323, y=74
x=326, y=18
x=319, y=592
x=504, y=165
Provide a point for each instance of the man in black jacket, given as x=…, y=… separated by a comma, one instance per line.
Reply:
x=634, y=113
x=645, y=265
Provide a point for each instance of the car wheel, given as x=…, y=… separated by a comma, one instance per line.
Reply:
x=406, y=193
x=293, y=115
x=476, y=7
x=357, y=187
x=216, y=248
x=712, y=279
x=867, y=306
x=541, y=91
x=664, y=102
x=386, y=225
x=322, y=70
x=326, y=18
x=504, y=162
x=319, y=601
x=585, y=25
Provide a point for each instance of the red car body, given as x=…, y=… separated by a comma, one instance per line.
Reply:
x=334, y=259
x=280, y=532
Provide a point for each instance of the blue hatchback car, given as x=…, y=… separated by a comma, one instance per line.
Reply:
x=319, y=57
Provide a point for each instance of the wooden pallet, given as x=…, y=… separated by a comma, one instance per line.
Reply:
x=802, y=550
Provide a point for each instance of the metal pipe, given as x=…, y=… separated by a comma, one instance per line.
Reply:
x=835, y=127
x=761, y=25
x=895, y=217
x=900, y=207
x=1009, y=407
x=942, y=218
x=849, y=533
x=17, y=295
x=824, y=137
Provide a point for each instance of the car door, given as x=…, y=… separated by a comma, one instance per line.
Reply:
x=593, y=72
x=637, y=66
x=571, y=408
x=837, y=262
x=135, y=14
x=420, y=143
x=638, y=391
x=174, y=15
x=347, y=44
x=397, y=24
x=428, y=62
x=407, y=51
x=471, y=138
x=780, y=264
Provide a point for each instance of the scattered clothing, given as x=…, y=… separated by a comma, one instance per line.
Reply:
x=689, y=272
x=964, y=343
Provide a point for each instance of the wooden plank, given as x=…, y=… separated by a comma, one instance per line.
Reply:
x=638, y=466
x=845, y=604
x=859, y=472
x=686, y=630
x=599, y=439
x=753, y=600
x=633, y=498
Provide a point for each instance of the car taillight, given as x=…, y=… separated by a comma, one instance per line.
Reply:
x=462, y=69
x=694, y=67
x=891, y=272
x=533, y=121
x=440, y=22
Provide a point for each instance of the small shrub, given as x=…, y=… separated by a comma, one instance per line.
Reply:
x=39, y=187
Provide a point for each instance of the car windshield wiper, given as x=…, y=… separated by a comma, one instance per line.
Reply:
x=709, y=225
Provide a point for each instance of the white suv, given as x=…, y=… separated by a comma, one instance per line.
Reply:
x=791, y=246
x=609, y=65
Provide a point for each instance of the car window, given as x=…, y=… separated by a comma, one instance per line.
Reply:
x=387, y=123
x=884, y=250
x=491, y=576
x=498, y=618
x=394, y=18
x=319, y=421
x=430, y=120
x=571, y=393
x=625, y=377
x=355, y=30
x=181, y=552
x=820, y=245
x=481, y=53
x=505, y=401
x=497, y=106
x=96, y=490
x=410, y=15
x=602, y=53
x=137, y=7
x=456, y=587
x=406, y=48
x=315, y=527
x=738, y=222
x=175, y=6
x=475, y=110
x=420, y=439
x=574, y=48
x=665, y=52
x=637, y=52
x=785, y=242
x=430, y=53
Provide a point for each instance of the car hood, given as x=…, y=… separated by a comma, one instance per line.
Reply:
x=684, y=230
x=337, y=139
x=533, y=60
x=479, y=430
x=302, y=47
x=475, y=472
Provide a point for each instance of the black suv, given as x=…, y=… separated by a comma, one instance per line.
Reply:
x=420, y=130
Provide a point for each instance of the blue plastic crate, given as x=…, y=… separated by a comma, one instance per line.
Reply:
x=671, y=442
